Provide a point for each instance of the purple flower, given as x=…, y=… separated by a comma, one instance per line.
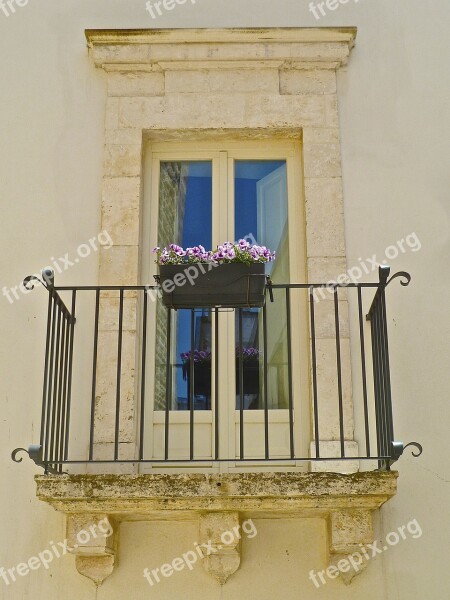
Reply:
x=228, y=252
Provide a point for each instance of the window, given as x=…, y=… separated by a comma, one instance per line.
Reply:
x=206, y=195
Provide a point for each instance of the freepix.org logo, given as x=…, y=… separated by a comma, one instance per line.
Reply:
x=61, y=264
x=189, y=559
x=9, y=7
x=319, y=9
x=155, y=8
x=354, y=562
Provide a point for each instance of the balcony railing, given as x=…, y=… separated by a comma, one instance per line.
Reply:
x=70, y=428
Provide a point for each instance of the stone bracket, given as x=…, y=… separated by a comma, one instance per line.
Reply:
x=93, y=541
x=219, y=534
x=348, y=532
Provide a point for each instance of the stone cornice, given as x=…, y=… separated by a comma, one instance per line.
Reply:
x=236, y=35
x=129, y=49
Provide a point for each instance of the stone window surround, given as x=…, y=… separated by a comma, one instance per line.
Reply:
x=204, y=84
x=208, y=84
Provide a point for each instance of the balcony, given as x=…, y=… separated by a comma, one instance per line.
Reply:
x=112, y=443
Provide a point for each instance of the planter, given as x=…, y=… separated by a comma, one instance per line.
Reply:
x=228, y=285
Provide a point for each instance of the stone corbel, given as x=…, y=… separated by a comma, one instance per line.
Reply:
x=219, y=536
x=349, y=532
x=92, y=539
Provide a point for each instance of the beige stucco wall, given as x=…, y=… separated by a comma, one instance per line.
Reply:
x=394, y=119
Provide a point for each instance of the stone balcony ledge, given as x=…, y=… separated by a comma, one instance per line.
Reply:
x=129, y=495
x=219, y=502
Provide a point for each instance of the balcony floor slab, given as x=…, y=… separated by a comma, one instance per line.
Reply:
x=181, y=495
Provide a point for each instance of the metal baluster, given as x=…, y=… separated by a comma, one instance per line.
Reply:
x=46, y=367
x=192, y=388
x=216, y=386
x=69, y=391
x=339, y=371
x=53, y=425
x=241, y=388
x=64, y=401
x=377, y=382
x=94, y=376
x=387, y=375
x=289, y=359
x=168, y=385
x=119, y=375
x=266, y=406
x=59, y=409
x=363, y=370
x=143, y=365
x=314, y=371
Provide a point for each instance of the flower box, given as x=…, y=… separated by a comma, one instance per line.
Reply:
x=226, y=285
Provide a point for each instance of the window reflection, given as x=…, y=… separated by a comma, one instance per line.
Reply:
x=185, y=218
x=261, y=211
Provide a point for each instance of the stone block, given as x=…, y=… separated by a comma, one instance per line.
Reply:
x=326, y=269
x=331, y=111
x=223, y=81
x=349, y=529
x=324, y=217
x=321, y=160
x=236, y=111
x=298, y=81
x=106, y=389
x=320, y=135
x=109, y=314
x=123, y=160
x=123, y=136
x=331, y=449
x=105, y=451
x=135, y=84
x=119, y=265
x=327, y=389
x=112, y=113
x=325, y=320
x=120, y=209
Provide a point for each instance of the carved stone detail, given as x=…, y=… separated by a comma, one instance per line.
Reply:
x=219, y=531
x=349, y=531
x=92, y=539
x=95, y=568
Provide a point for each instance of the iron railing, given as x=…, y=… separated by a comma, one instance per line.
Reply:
x=66, y=367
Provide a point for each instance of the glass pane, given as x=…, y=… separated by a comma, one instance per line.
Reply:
x=261, y=217
x=185, y=218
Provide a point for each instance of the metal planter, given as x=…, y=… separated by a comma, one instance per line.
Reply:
x=229, y=285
